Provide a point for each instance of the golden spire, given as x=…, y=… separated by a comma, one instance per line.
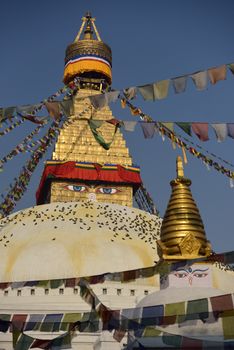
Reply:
x=182, y=233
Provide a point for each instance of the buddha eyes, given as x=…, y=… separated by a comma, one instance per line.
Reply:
x=83, y=188
x=194, y=274
x=200, y=275
x=181, y=274
x=107, y=190
x=76, y=188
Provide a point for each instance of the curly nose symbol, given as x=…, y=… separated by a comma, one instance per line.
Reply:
x=190, y=279
x=92, y=197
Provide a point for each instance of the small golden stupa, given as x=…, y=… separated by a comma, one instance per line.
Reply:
x=182, y=233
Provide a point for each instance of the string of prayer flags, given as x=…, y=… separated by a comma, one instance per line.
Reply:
x=216, y=74
x=24, y=146
x=7, y=113
x=20, y=186
x=12, y=127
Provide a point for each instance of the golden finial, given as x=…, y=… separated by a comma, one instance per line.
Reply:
x=179, y=167
x=88, y=33
x=182, y=232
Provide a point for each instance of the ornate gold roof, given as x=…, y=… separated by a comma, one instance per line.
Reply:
x=182, y=233
x=87, y=56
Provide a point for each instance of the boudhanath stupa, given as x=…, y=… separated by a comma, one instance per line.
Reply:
x=84, y=268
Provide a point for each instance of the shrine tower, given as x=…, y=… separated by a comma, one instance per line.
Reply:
x=81, y=167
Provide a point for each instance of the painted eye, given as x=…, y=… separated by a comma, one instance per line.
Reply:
x=76, y=188
x=200, y=275
x=107, y=190
x=180, y=274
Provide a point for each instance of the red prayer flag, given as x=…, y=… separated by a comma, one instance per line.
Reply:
x=218, y=73
x=201, y=130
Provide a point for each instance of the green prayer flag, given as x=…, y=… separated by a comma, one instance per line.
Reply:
x=177, y=310
x=169, y=125
x=171, y=339
x=24, y=342
x=95, y=124
x=55, y=283
x=151, y=332
x=69, y=319
x=186, y=127
x=228, y=324
x=197, y=309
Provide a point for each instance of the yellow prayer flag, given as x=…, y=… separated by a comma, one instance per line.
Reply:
x=161, y=89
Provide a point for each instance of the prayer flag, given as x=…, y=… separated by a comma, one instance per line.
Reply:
x=217, y=73
x=152, y=315
x=112, y=96
x=228, y=324
x=148, y=129
x=53, y=109
x=170, y=339
x=201, y=130
x=98, y=101
x=220, y=131
x=123, y=102
x=230, y=130
x=221, y=303
x=161, y=89
x=33, y=322
x=70, y=319
x=4, y=322
x=130, y=93
x=169, y=126
x=147, y=92
x=197, y=308
x=174, y=313
x=67, y=107
x=231, y=67
x=200, y=80
x=179, y=84
x=186, y=127
x=129, y=125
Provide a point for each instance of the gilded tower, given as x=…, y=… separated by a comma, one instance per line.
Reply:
x=81, y=168
x=182, y=232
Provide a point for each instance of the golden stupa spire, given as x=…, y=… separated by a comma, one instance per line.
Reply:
x=93, y=169
x=182, y=233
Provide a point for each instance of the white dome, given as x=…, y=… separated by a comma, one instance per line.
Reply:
x=65, y=240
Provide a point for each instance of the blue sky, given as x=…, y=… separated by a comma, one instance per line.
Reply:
x=150, y=41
